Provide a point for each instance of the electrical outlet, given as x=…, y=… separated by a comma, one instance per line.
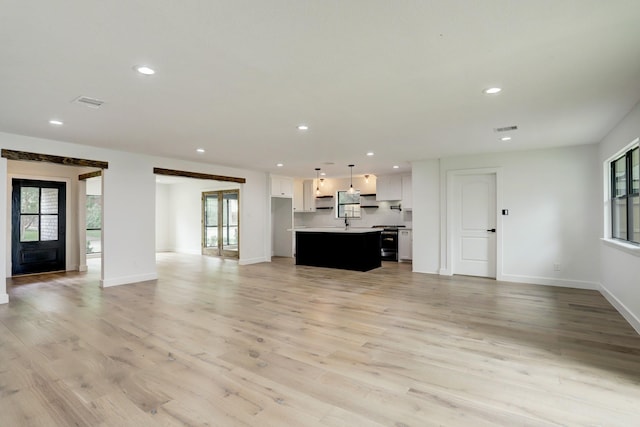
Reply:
x=556, y=267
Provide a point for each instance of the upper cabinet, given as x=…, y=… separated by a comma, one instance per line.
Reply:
x=407, y=195
x=298, y=196
x=308, y=196
x=281, y=186
x=389, y=187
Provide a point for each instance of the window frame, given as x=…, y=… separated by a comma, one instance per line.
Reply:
x=628, y=195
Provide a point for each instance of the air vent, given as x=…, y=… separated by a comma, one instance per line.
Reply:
x=506, y=129
x=89, y=102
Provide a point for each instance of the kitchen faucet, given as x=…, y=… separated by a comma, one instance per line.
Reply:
x=346, y=222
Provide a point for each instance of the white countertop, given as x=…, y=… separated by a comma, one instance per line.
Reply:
x=353, y=230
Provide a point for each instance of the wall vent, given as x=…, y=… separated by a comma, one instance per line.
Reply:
x=89, y=102
x=506, y=129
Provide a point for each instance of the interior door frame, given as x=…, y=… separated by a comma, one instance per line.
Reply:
x=10, y=177
x=448, y=216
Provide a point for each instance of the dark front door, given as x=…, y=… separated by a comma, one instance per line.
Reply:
x=38, y=226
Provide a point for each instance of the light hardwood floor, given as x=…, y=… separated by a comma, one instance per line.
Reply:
x=212, y=343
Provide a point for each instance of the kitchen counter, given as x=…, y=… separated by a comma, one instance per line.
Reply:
x=334, y=230
x=349, y=249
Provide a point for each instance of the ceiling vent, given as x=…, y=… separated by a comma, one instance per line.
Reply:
x=506, y=129
x=89, y=102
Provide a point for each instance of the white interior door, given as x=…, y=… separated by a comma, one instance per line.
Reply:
x=474, y=228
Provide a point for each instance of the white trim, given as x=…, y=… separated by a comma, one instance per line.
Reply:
x=4, y=298
x=258, y=260
x=551, y=281
x=446, y=227
x=622, y=309
x=125, y=280
x=622, y=246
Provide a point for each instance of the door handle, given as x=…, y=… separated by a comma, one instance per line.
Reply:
x=493, y=230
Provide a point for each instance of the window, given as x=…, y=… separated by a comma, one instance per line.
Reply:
x=625, y=196
x=94, y=224
x=348, y=204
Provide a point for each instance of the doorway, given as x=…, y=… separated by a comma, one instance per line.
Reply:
x=220, y=225
x=474, y=225
x=38, y=224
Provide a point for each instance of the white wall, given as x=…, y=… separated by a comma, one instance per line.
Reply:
x=129, y=206
x=425, y=184
x=619, y=269
x=553, y=214
x=165, y=241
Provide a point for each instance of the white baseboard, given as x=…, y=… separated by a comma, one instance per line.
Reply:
x=125, y=280
x=550, y=281
x=4, y=298
x=247, y=261
x=83, y=268
x=633, y=320
x=444, y=272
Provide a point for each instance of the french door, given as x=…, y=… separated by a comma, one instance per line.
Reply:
x=220, y=226
x=38, y=225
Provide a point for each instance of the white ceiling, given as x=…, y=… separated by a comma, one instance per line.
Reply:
x=401, y=78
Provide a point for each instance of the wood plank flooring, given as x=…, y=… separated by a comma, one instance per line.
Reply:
x=211, y=343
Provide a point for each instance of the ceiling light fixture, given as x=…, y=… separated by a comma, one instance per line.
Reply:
x=323, y=174
x=200, y=150
x=56, y=122
x=303, y=127
x=145, y=70
x=366, y=179
x=492, y=90
x=351, y=189
x=505, y=138
x=279, y=165
x=317, y=181
x=370, y=153
x=321, y=181
x=396, y=167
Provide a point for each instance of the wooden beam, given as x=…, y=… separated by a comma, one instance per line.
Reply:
x=88, y=175
x=197, y=175
x=49, y=158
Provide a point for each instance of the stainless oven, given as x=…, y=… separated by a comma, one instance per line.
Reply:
x=388, y=242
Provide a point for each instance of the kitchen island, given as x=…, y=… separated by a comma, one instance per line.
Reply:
x=344, y=248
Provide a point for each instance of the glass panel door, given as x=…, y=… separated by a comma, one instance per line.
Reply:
x=230, y=224
x=220, y=227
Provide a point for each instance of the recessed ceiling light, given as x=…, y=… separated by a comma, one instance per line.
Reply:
x=396, y=167
x=200, y=150
x=323, y=174
x=280, y=165
x=144, y=69
x=56, y=122
x=303, y=127
x=370, y=153
x=492, y=90
x=505, y=138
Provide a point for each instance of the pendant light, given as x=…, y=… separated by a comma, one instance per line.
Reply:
x=351, y=189
x=366, y=179
x=317, y=182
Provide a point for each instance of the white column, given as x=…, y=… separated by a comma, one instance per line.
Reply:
x=5, y=249
x=82, y=225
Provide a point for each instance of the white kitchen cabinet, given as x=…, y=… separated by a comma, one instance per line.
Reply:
x=298, y=195
x=389, y=187
x=281, y=186
x=407, y=195
x=405, y=245
x=309, y=196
